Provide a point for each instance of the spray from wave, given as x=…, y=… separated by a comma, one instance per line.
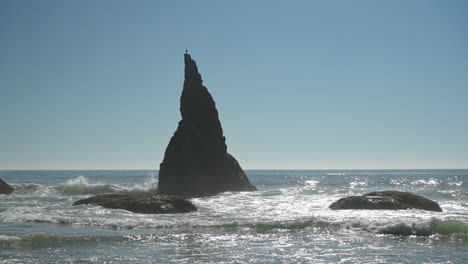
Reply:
x=149, y=186
x=44, y=241
x=81, y=186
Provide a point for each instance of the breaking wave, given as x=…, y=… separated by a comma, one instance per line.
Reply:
x=150, y=185
x=45, y=241
x=424, y=228
x=453, y=229
x=112, y=219
x=82, y=186
x=442, y=229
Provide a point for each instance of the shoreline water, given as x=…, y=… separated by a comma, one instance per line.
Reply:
x=287, y=220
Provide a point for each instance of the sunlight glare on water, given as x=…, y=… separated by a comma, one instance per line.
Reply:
x=286, y=221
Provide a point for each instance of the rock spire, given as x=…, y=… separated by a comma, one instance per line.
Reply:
x=5, y=188
x=196, y=162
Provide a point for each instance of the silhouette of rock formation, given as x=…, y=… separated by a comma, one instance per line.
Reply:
x=196, y=162
x=141, y=203
x=386, y=200
x=5, y=188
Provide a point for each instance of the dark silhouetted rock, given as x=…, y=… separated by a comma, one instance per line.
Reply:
x=141, y=203
x=386, y=200
x=196, y=162
x=5, y=188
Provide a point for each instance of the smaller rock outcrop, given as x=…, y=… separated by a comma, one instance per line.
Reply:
x=5, y=188
x=141, y=203
x=386, y=200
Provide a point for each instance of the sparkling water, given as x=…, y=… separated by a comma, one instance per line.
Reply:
x=286, y=221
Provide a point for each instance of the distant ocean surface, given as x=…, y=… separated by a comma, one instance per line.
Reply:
x=286, y=221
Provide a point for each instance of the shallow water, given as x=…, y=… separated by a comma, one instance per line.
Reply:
x=286, y=221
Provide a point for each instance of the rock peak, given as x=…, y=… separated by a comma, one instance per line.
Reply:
x=197, y=105
x=5, y=188
x=191, y=69
x=196, y=162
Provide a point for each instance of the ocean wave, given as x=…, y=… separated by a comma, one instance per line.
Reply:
x=451, y=228
x=429, y=182
x=115, y=219
x=82, y=186
x=31, y=213
x=25, y=187
x=274, y=225
x=431, y=227
x=150, y=185
x=443, y=228
x=404, y=229
x=45, y=241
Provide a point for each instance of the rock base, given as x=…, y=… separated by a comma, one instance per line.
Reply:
x=5, y=188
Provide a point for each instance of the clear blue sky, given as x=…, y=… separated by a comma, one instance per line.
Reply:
x=298, y=84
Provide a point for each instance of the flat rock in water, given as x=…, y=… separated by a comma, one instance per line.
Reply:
x=5, y=188
x=386, y=200
x=141, y=203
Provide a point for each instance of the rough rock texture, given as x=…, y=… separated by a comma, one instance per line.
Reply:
x=141, y=203
x=386, y=200
x=5, y=188
x=196, y=162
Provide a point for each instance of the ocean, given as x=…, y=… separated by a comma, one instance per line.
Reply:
x=286, y=221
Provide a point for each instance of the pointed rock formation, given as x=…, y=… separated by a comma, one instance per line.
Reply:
x=5, y=188
x=196, y=162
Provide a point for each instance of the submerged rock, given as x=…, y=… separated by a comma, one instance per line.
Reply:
x=196, y=162
x=5, y=188
x=386, y=200
x=141, y=203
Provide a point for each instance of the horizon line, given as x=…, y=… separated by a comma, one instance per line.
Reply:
x=243, y=169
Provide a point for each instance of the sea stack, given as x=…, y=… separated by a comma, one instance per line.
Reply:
x=5, y=188
x=196, y=162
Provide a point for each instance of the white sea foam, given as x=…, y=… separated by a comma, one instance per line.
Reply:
x=260, y=213
x=44, y=241
x=4, y=238
x=298, y=208
x=81, y=185
x=311, y=183
x=150, y=185
x=426, y=182
x=397, y=181
x=458, y=183
x=120, y=219
x=357, y=183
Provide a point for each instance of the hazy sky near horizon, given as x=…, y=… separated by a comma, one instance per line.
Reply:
x=298, y=84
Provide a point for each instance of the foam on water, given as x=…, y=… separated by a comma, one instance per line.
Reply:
x=290, y=212
x=45, y=241
x=150, y=185
x=81, y=186
x=293, y=212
